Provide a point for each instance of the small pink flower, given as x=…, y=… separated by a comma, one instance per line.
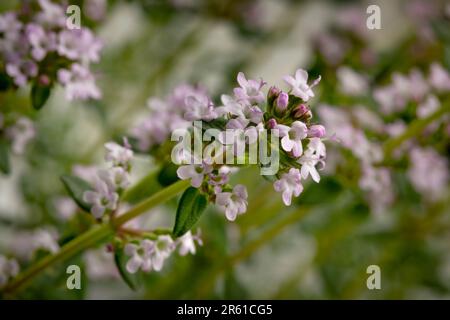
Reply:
x=439, y=78
x=291, y=137
x=289, y=185
x=117, y=154
x=233, y=203
x=249, y=90
x=194, y=172
x=79, y=83
x=299, y=85
x=101, y=199
x=199, y=107
x=316, y=131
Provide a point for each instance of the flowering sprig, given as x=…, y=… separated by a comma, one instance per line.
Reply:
x=151, y=252
x=16, y=132
x=38, y=48
x=101, y=195
x=287, y=116
x=406, y=99
x=240, y=118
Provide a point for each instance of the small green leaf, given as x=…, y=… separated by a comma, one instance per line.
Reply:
x=76, y=187
x=190, y=208
x=4, y=157
x=5, y=82
x=120, y=261
x=168, y=174
x=39, y=96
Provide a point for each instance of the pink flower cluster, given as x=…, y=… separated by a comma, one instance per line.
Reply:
x=249, y=110
x=38, y=48
x=413, y=87
x=110, y=182
x=349, y=129
x=18, y=131
x=148, y=255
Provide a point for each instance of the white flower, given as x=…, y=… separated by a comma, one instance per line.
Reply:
x=249, y=91
x=316, y=147
x=8, y=269
x=309, y=163
x=199, y=107
x=65, y=207
x=21, y=133
x=164, y=246
x=79, y=83
x=140, y=256
x=351, y=82
x=117, y=154
x=195, y=172
x=115, y=178
x=290, y=185
x=429, y=106
x=299, y=85
x=45, y=239
x=233, y=203
x=79, y=44
x=187, y=243
x=247, y=111
x=40, y=41
x=52, y=14
x=230, y=106
x=101, y=199
x=439, y=77
x=429, y=173
x=28, y=242
x=291, y=137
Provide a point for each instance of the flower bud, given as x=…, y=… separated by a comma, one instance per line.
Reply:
x=272, y=123
x=44, y=80
x=316, y=131
x=282, y=101
x=301, y=112
x=272, y=95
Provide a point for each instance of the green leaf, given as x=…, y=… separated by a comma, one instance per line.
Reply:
x=168, y=174
x=39, y=96
x=76, y=186
x=120, y=261
x=190, y=208
x=5, y=82
x=4, y=157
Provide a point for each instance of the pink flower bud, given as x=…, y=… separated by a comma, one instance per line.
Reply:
x=300, y=110
x=282, y=101
x=273, y=92
x=272, y=123
x=316, y=131
x=44, y=80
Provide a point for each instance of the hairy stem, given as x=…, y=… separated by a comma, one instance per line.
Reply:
x=90, y=238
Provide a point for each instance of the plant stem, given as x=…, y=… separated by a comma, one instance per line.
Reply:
x=91, y=237
x=414, y=129
x=159, y=197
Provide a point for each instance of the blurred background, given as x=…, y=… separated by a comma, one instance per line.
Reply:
x=318, y=248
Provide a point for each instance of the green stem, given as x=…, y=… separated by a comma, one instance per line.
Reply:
x=91, y=237
x=159, y=197
x=414, y=129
